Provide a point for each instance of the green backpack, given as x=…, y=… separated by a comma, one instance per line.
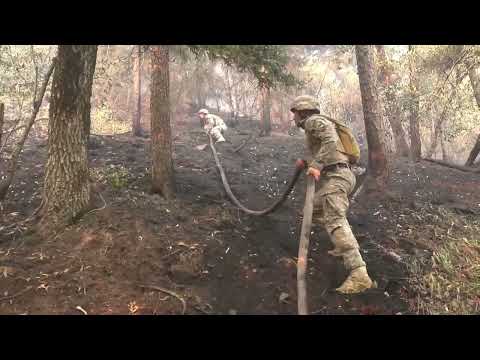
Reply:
x=350, y=144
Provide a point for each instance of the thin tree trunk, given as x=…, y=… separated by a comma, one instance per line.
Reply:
x=198, y=86
x=2, y=117
x=129, y=100
x=66, y=191
x=474, y=76
x=244, y=103
x=266, y=113
x=391, y=106
x=377, y=159
x=236, y=99
x=394, y=119
x=163, y=181
x=137, y=90
x=445, y=156
x=415, y=139
x=474, y=153
x=12, y=164
x=230, y=93
x=437, y=133
x=439, y=125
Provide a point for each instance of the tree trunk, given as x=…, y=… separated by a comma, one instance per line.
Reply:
x=445, y=156
x=199, y=76
x=437, y=133
x=12, y=163
x=2, y=116
x=163, y=181
x=391, y=106
x=137, y=91
x=230, y=93
x=415, y=139
x=244, y=104
x=439, y=125
x=66, y=193
x=236, y=100
x=266, y=113
x=474, y=76
x=129, y=102
x=474, y=153
x=377, y=159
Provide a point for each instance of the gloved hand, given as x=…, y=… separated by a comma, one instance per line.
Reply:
x=314, y=172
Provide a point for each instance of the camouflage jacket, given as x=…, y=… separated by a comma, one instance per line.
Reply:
x=323, y=143
x=212, y=121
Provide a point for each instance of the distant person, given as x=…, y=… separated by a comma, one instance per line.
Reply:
x=330, y=166
x=213, y=125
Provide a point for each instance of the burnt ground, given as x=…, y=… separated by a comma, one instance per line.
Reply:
x=216, y=258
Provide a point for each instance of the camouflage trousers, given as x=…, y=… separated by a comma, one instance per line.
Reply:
x=330, y=210
x=217, y=133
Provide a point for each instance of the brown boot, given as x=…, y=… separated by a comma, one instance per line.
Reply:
x=357, y=282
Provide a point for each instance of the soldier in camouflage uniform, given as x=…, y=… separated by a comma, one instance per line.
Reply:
x=213, y=125
x=335, y=181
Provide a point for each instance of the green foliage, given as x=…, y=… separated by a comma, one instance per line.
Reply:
x=116, y=176
x=267, y=63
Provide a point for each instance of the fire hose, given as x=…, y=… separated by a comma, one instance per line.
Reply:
x=300, y=165
x=306, y=222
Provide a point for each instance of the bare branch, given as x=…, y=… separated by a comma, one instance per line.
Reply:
x=10, y=134
x=5, y=184
x=36, y=75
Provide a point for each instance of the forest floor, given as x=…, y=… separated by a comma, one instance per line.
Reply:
x=420, y=240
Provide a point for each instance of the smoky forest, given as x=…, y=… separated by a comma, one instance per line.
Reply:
x=239, y=179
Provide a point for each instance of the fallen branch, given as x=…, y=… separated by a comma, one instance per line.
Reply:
x=17, y=294
x=303, y=247
x=179, y=250
x=453, y=166
x=243, y=144
x=171, y=254
x=169, y=292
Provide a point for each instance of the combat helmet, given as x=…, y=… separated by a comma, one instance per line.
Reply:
x=305, y=102
x=203, y=111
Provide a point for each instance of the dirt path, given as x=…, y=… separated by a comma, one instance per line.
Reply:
x=199, y=246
